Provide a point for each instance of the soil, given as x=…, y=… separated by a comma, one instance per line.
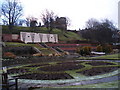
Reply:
x=32, y=60
x=61, y=67
x=98, y=70
x=45, y=76
x=100, y=63
x=17, y=70
x=71, y=62
x=21, y=50
x=55, y=71
x=36, y=65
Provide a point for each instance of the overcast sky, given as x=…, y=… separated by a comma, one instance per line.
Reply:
x=79, y=11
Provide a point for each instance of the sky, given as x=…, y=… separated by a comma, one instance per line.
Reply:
x=78, y=11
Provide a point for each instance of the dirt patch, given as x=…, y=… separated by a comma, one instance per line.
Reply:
x=45, y=76
x=21, y=50
x=71, y=62
x=17, y=70
x=36, y=65
x=99, y=63
x=61, y=67
x=98, y=70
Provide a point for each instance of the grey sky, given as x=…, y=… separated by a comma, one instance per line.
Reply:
x=79, y=11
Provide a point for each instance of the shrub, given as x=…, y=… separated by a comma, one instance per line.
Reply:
x=86, y=50
x=104, y=48
x=107, y=48
x=99, y=48
x=9, y=55
x=38, y=54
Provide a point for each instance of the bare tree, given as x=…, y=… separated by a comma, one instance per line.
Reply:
x=68, y=21
x=11, y=10
x=92, y=23
x=102, y=32
x=48, y=18
x=31, y=21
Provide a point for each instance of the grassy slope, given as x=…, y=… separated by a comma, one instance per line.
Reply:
x=63, y=36
x=113, y=56
x=44, y=50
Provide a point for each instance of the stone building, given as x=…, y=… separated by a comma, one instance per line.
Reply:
x=61, y=23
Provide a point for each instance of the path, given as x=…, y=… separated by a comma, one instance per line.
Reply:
x=24, y=86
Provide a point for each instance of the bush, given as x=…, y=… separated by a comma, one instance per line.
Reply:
x=38, y=54
x=107, y=48
x=104, y=48
x=86, y=50
x=9, y=55
x=99, y=48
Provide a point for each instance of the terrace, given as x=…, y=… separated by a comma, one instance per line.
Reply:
x=70, y=47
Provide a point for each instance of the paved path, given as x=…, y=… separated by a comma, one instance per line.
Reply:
x=24, y=86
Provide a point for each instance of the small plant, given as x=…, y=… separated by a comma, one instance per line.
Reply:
x=104, y=48
x=38, y=54
x=86, y=50
x=107, y=48
x=99, y=48
x=9, y=55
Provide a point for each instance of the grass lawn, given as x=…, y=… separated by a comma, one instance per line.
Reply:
x=63, y=35
x=112, y=56
x=43, y=50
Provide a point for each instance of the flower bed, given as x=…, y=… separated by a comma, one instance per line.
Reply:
x=61, y=67
x=36, y=65
x=17, y=70
x=58, y=70
x=100, y=63
x=45, y=76
x=98, y=70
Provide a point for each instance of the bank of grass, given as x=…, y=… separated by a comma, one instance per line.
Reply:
x=112, y=56
x=45, y=51
x=62, y=35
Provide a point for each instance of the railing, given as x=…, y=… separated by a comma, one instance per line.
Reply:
x=7, y=82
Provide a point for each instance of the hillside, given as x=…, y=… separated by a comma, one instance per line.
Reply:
x=63, y=36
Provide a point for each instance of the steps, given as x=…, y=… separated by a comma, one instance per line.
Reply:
x=55, y=49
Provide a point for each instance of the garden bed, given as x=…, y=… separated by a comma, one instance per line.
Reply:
x=17, y=70
x=45, y=76
x=61, y=67
x=94, y=63
x=98, y=70
x=36, y=65
x=71, y=62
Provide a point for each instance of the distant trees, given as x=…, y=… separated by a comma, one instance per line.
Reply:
x=11, y=10
x=101, y=32
x=31, y=22
x=92, y=23
x=48, y=18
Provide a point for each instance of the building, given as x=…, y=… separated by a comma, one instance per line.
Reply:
x=30, y=37
x=61, y=23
